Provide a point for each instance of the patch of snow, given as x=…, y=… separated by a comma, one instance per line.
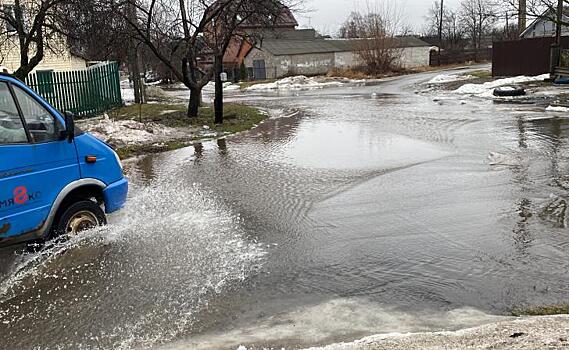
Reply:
x=228, y=86
x=127, y=95
x=302, y=82
x=507, y=88
x=486, y=89
x=127, y=132
x=155, y=83
x=449, y=78
x=559, y=109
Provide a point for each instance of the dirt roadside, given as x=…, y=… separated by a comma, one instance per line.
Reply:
x=546, y=332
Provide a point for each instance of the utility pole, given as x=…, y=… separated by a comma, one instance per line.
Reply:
x=218, y=101
x=522, y=16
x=441, y=31
x=556, y=47
x=133, y=59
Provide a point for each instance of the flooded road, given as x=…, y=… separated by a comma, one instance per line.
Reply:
x=359, y=210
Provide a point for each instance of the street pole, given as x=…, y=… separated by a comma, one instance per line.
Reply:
x=556, y=47
x=218, y=102
x=522, y=16
x=441, y=31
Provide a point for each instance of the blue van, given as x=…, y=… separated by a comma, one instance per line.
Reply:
x=54, y=179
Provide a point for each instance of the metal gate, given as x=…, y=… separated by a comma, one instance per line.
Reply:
x=259, y=70
x=85, y=92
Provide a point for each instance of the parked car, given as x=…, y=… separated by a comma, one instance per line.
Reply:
x=54, y=179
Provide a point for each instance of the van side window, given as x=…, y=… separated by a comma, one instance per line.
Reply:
x=42, y=125
x=11, y=128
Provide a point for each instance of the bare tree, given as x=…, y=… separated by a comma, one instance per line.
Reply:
x=451, y=31
x=186, y=34
x=478, y=18
x=545, y=9
x=225, y=29
x=33, y=27
x=378, y=31
x=351, y=27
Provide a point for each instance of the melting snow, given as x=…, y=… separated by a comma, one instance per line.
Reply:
x=449, y=78
x=557, y=109
x=127, y=95
x=486, y=89
x=127, y=132
x=301, y=83
x=210, y=87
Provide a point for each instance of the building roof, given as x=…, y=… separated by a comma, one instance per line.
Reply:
x=297, y=47
x=546, y=16
x=298, y=34
x=285, y=19
x=301, y=47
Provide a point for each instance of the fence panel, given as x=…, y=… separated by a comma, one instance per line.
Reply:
x=522, y=57
x=452, y=57
x=85, y=92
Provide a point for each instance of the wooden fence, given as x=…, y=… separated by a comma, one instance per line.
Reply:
x=524, y=57
x=452, y=57
x=85, y=92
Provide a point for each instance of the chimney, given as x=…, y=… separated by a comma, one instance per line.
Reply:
x=522, y=16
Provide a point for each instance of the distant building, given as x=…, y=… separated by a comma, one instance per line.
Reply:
x=282, y=49
x=312, y=56
x=248, y=31
x=544, y=26
x=60, y=59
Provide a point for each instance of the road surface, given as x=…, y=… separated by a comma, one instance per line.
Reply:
x=361, y=210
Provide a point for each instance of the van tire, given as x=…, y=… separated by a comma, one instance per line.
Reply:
x=78, y=217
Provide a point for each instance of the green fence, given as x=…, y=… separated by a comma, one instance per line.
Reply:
x=85, y=92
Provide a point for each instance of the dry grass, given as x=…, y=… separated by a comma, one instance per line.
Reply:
x=348, y=73
x=562, y=309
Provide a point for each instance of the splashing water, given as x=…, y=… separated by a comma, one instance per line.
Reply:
x=136, y=283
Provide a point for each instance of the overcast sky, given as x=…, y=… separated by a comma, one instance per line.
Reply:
x=327, y=15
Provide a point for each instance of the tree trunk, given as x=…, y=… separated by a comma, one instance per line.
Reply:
x=195, y=101
x=133, y=63
x=218, y=103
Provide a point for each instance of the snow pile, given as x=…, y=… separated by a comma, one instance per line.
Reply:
x=559, y=109
x=449, y=78
x=127, y=132
x=210, y=87
x=127, y=95
x=297, y=83
x=487, y=89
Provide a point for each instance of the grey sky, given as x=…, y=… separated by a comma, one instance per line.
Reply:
x=327, y=15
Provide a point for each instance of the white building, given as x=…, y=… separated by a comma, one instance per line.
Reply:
x=283, y=57
x=545, y=27
x=60, y=59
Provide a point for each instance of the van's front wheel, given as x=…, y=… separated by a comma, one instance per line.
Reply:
x=81, y=216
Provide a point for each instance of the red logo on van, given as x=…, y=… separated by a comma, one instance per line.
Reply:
x=21, y=195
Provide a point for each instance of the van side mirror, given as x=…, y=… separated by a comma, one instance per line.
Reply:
x=69, y=126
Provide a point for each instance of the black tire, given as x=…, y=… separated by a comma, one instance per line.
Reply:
x=509, y=91
x=85, y=207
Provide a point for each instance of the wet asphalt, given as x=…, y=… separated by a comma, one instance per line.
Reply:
x=352, y=211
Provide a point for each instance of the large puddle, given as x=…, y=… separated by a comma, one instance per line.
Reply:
x=374, y=210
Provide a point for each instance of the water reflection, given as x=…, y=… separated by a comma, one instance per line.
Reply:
x=222, y=145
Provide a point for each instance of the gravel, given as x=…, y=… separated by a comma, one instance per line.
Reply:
x=548, y=332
